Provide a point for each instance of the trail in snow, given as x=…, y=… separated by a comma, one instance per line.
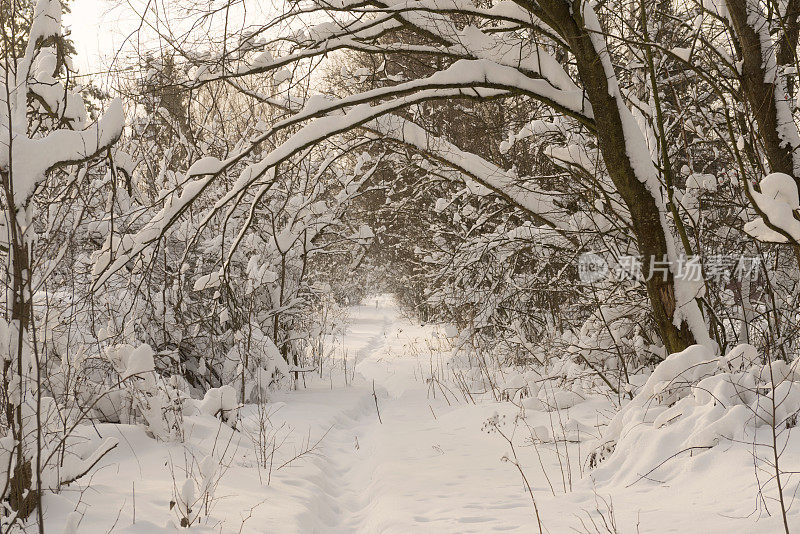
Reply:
x=427, y=468
x=415, y=472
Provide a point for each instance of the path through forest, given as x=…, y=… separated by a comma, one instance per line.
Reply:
x=426, y=465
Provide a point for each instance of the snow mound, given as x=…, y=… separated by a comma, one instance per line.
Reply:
x=218, y=400
x=559, y=399
x=693, y=401
x=778, y=201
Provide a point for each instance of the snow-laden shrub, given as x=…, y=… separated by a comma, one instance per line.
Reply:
x=694, y=400
x=141, y=395
x=255, y=364
x=49, y=441
x=217, y=402
x=194, y=496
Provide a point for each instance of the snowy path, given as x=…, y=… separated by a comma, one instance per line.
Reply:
x=427, y=468
x=414, y=472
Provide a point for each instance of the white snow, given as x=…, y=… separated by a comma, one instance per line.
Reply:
x=778, y=201
x=140, y=360
x=216, y=400
x=425, y=466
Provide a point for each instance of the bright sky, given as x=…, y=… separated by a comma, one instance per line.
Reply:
x=98, y=29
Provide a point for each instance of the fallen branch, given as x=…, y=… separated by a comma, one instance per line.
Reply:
x=109, y=445
x=375, y=396
x=666, y=460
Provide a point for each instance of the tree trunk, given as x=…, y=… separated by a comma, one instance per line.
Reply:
x=22, y=496
x=757, y=90
x=646, y=217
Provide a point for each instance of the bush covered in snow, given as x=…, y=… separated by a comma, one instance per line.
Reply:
x=695, y=400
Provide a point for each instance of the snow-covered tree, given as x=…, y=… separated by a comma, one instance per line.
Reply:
x=44, y=127
x=592, y=100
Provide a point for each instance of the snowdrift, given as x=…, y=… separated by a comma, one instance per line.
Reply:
x=692, y=402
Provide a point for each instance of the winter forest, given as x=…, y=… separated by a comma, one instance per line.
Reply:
x=400, y=266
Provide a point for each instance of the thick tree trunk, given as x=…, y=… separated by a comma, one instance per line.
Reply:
x=757, y=90
x=646, y=218
x=22, y=496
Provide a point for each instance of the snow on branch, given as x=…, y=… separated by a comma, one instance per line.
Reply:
x=540, y=204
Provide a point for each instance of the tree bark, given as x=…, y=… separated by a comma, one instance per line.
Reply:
x=646, y=217
x=757, y=91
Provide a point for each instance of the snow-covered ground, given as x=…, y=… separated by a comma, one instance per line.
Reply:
x=419, y=461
